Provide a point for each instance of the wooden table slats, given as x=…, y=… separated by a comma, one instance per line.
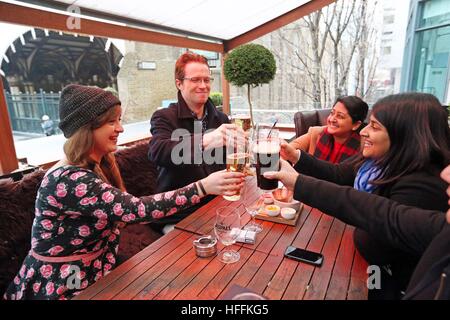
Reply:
x=169, y=269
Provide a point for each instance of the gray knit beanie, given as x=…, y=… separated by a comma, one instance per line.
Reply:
x=80, y=105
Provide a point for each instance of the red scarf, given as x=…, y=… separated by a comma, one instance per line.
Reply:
x=325, y=144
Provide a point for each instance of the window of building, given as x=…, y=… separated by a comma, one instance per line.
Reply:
x=434, y=13
x=388, y=19
x=431, y=68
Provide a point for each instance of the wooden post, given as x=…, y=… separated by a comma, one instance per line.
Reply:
x=8, y=158
x=225, y=89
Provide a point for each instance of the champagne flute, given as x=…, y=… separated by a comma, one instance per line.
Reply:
x=227, y=228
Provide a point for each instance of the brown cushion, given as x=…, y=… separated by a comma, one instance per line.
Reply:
x=16, y=218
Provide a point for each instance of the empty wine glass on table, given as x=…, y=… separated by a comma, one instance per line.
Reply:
x=252, y=205
x=227, y=228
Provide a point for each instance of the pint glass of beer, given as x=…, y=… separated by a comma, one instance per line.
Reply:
x=237, y=156
x=266, y=152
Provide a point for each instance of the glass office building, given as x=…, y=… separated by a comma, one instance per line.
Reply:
x=427, y=50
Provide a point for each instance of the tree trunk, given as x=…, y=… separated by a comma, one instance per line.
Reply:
x=250, y=106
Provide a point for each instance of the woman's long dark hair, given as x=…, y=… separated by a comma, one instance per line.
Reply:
x=419, y=135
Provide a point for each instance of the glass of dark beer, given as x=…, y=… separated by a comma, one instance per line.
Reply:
x=266, y=152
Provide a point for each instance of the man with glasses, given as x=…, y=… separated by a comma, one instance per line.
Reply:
x=186, y=131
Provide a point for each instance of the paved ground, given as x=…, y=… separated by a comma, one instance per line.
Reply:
x=40, y=149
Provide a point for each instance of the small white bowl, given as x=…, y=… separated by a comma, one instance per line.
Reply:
x=272, y=210
x=294, y=204
x=288, y=213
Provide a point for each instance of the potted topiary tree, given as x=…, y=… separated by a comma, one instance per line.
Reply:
x=252, y=65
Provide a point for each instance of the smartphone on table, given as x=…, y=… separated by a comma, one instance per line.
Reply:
x=303, y=255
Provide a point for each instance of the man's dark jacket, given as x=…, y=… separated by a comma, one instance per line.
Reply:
x=163, y=123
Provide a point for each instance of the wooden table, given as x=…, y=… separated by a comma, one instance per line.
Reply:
x=169, y=268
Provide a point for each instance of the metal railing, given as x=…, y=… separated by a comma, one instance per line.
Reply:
x=26, y=110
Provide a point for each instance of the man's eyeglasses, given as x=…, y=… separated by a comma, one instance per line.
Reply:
x=197, y=80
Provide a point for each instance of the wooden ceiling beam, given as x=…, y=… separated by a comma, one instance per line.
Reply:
x=22, y=15
x=276, y=23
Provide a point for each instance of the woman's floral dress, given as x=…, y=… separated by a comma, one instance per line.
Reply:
x=77, y=213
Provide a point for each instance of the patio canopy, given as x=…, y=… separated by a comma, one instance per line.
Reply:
x=211, y=25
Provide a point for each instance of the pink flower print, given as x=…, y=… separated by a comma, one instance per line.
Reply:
x=61, y=290
x=61, y=191
x=52, y=201
x=84, y=284
x=180, y=200
x=46, y=235
x=107, y=197
x=172, y=211
x=169, y=194
x=55, y=250
x=112, y=237
x=57, y=173
x=36, y=287
x=44, y=182
x=73, y=214
x=22, y=271
x=101, y=224
x=107, y=267
x=97, y=264
x=49, y=213
x=99, y=214
x=47, y=224
x=84, y=231
x=30, y=273
x=157, y=197
x=118, y=209
x=104, y=186
x=111, y=258
x=80, y=190
x=46, y=271
x=76, y=175
x=97, y=246
x=76, y=242
x=195, y=199
x=135, y=200
x=80, y=275
x=106, y=233
x=157, y=214
x=50, y=288
x=64, y=271
x=34, y=242
x=88, y=201
x=98, y=275
x=16, y=280
x=60, y=230
x=141, y=210
x=19, y=295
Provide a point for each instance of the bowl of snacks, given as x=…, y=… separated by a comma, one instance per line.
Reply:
x=288, y=213
x=284, y=198
x=272, y=210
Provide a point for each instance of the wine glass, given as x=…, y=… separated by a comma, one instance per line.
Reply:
x=227, y=228
x=252, y=207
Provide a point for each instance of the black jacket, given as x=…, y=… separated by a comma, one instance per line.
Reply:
x=163, y=123
x=417, y=231
x=423, y=189
x=171, y=175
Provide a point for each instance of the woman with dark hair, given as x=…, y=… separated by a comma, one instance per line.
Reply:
x=82, y=202
x=339, y=139
x=404, y=147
